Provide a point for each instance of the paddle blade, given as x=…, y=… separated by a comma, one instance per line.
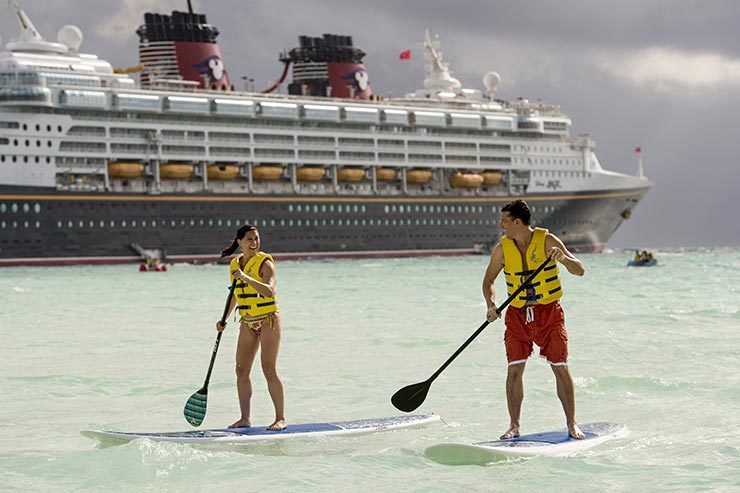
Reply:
x=195, y=407
x=410, y=397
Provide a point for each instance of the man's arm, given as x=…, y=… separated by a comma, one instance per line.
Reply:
x=495, y=265
x=559, y=253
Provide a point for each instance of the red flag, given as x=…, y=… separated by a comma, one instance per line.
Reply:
x=405, y=55
x=638, y=150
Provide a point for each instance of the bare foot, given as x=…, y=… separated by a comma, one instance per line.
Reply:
x=242, y=423
x=575, y=432
x=512, y=432
x=278, y=425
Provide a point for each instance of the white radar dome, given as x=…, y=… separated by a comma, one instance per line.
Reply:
x=70, y=36
x=491, y=80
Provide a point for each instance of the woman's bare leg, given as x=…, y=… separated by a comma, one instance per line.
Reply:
x=246, y=350
x=270, y=341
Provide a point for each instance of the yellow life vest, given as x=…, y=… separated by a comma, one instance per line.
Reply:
x=249, y=302
x=546, y=284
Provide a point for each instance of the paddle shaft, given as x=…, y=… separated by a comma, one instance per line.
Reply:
x=218, y=337
x=485, y=324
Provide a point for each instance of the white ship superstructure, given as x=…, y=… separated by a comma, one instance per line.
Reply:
x=85, y=153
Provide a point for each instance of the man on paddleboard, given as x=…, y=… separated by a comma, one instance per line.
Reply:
x=535, y=316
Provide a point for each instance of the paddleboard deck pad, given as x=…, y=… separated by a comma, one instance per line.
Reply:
x=260, y=433
x=550, y=443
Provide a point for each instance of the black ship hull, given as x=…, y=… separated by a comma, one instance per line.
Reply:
x=42, y=227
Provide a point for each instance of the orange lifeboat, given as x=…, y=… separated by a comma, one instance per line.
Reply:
x=421, y=176
x=175, y=171
x=222, y=172
x=492, y=177
x=266, y=172
x=465, y=180
x=385, y=174
x=351, y=174
x=125, y=170
x=310, y=173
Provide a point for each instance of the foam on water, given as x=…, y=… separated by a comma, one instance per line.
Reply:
x=109, y=347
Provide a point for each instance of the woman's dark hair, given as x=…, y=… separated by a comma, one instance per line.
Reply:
x=239, y=235
x=518, y=209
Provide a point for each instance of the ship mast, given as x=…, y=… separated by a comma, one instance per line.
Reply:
x=437, y=71
x=28, y=30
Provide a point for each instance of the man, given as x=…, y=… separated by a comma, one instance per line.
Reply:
x=535, y=315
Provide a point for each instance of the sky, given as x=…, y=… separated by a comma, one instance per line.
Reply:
x=663, y=75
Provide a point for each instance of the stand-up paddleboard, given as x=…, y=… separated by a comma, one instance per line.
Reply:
x=260, y=433
x=549, y=443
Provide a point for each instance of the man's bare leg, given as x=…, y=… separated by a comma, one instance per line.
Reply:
x=514, y=398
x=566, y=394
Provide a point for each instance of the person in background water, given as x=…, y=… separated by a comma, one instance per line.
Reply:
x=535, y=315
x=254, y=296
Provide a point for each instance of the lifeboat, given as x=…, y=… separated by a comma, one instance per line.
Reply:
x=265, y=172
x=465, y=180
x=420, y=176
x=310, y=173
x=175, y=171
x=125, y=170
x=492, y=177
x=385, y=174
x=222, y=172
x=351, y=174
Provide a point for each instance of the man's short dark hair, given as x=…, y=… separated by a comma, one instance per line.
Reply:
x=518, y=209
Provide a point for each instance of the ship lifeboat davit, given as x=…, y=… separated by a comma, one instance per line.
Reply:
x=465, y=180
x=385, y=174
x=175, y=171
x=310, y=173
x=492, y=177
x=125, y=170
x=266, y=172
x=222, y=172
x=420, y=176
x=351, y=174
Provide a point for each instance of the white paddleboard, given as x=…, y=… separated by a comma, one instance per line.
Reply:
x=260, y=433
x=549, y=443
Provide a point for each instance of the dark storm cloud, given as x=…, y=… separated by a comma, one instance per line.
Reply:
x=664, y=75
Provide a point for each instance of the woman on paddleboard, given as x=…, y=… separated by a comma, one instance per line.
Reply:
x=254, y=297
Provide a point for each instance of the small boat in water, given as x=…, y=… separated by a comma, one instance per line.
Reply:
x=642, y=259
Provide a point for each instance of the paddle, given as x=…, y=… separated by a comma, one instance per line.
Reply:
x=195, y=407
x=412, y=396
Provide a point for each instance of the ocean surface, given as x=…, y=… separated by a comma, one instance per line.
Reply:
x=111, y=348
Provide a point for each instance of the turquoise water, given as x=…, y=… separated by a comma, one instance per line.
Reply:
x=109, y=347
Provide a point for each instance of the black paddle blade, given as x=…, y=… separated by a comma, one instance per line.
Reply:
x=195, y=407
x=410, y=397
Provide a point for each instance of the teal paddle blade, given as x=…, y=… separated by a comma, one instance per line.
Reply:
x=195, y=407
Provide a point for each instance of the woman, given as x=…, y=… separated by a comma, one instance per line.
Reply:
x=254, y=295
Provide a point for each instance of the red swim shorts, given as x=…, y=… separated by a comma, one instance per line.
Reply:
x=543, y=325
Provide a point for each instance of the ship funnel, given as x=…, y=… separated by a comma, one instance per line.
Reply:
x=181, y=46
x=328, y=66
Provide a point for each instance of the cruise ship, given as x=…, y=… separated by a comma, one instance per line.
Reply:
x=97, y=168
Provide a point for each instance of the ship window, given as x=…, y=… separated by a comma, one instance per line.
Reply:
x=192, y=223
x=15, y=224
x=2, y=224
x=14, y=208
x=3, y=208
x=339, y=222
x=81, y=223
x=26, y=208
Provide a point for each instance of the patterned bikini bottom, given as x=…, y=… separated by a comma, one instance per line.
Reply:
x=257, y=323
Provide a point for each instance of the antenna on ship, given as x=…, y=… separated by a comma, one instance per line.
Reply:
x=640, y=170
x=190, y=7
